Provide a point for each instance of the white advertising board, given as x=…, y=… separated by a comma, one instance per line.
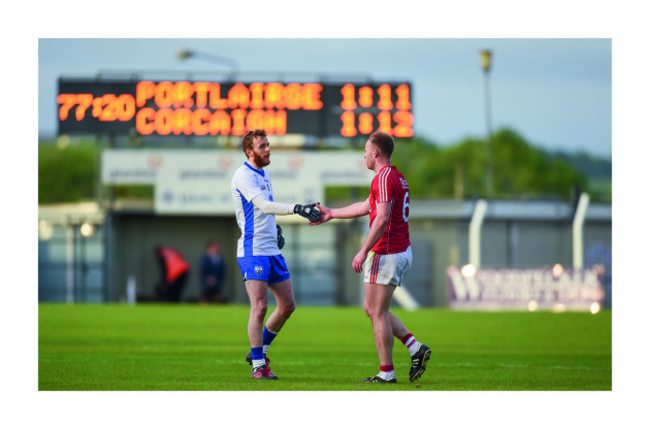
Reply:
x=198, y=181
x=519, y=289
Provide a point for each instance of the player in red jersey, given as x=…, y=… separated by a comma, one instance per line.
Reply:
x=385, y=255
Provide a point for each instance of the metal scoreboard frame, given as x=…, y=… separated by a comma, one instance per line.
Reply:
x=208, y=108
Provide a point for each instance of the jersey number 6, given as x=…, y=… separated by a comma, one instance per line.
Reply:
x=406, y=207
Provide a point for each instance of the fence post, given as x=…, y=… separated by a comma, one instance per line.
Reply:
x=475, y=233
x=578, y=224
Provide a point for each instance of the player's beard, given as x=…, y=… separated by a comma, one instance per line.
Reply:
x=261, y=161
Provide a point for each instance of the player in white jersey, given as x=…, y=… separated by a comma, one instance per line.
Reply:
x=258, y=249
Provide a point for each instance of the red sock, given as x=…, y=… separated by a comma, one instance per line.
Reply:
x=386, y=368
x=408, y=339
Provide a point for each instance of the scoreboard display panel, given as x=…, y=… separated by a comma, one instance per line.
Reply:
x=175, y=108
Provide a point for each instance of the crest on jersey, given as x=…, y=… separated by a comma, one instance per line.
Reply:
x=258, y=269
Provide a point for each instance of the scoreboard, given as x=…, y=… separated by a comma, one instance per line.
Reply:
x=175, y=108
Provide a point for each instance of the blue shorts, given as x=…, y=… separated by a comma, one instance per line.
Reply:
x=271, y=269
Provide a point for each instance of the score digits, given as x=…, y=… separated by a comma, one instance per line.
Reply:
x=358, y=107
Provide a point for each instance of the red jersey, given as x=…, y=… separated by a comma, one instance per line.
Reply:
x=389, y=185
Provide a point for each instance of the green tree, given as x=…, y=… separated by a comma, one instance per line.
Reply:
x=460, y=170
x=66, y=174
x=523, y=170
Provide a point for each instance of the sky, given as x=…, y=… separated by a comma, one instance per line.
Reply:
x=555, y=92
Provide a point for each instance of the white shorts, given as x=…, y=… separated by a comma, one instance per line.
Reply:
x=387, y=269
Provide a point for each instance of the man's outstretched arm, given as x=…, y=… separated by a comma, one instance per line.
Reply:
x=308, y=211
x=359, y=209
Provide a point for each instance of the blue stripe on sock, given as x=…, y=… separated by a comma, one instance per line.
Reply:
x=268, y=337
x=257, y=353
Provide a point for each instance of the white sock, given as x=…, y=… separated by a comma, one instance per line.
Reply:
x=258, y=362
x=387, y=375
x=414, y=346
x=411, y=343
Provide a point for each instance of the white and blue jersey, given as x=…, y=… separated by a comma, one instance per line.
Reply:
x=259, y=232
x=258, y=255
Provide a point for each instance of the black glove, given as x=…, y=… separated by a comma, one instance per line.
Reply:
x=308, y=211
x=280, y=238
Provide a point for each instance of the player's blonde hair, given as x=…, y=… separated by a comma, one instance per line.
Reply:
x=249, y=137
x=384, y=142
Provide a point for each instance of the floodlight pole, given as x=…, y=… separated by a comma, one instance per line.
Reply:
x=486, y=59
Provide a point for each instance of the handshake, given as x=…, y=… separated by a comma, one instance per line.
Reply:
x=308, y=211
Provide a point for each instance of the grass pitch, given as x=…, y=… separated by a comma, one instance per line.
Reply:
x=202, y=348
